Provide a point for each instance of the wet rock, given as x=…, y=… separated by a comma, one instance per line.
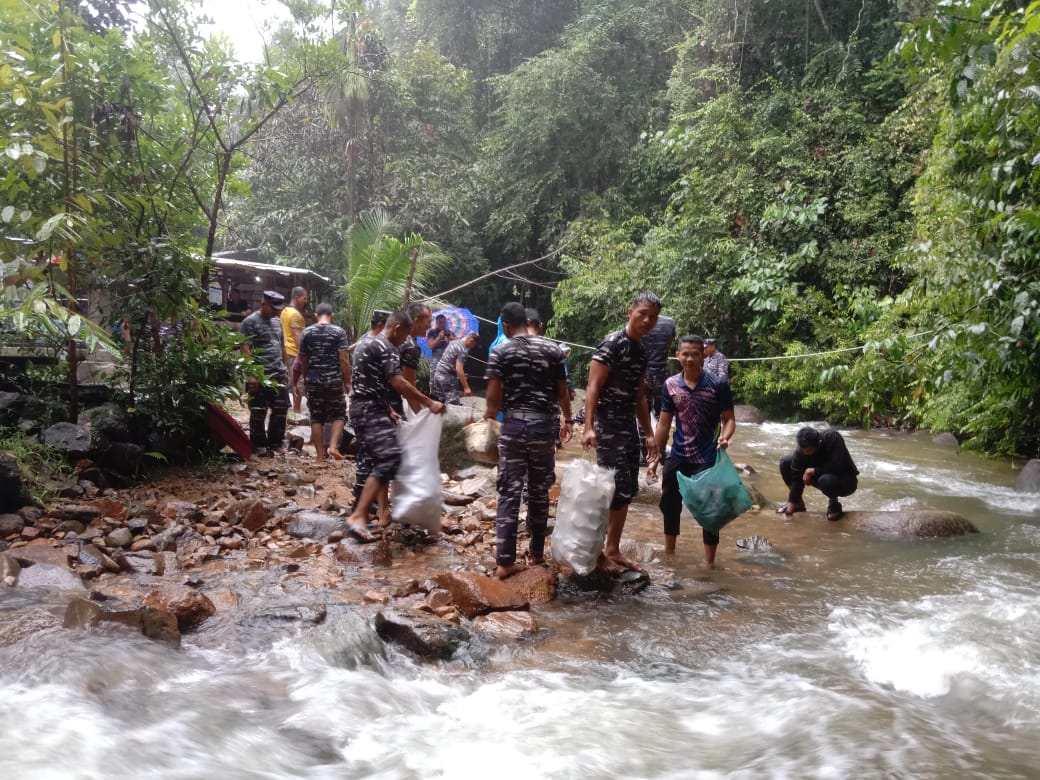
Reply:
x=9, y=570
x=946, y=440
x=910, y=524
x=507, y=625
x=535, y=585
x=377, y=554
x=120, y=537
x=189, y=605
x=629, y=582
x=44, y=551
x=758, y=498
x=91, y=556
x=73, y=440
x=1029, y=478
x=10, y=483
x=311, y=524
x=252, y=514
x=289, y=613
x=47, y=576
x=425, y=635
x=745, y=413
x=474, y=594
x=154, y=623
x=11, y=524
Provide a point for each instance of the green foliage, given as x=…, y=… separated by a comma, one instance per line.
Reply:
x=41, y=466
x=193, y=366
x=379, y=268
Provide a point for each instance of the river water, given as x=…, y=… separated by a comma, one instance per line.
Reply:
x=837, y=656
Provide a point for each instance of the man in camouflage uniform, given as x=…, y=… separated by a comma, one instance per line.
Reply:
x=377, y=373
x=324, y=362
x=614, y=399
x=449, y=381
x=658, y=347
x=263, y=332
x=411, y=354
x=526, y=380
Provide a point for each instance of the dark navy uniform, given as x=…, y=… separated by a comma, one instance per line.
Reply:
x=265, y=335
x=321, y=344
x=617, y=436
x=530, y=369
x=375, y=362
x=444, y=384
x=658, y=347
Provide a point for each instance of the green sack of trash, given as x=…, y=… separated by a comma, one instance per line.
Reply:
x=715, y=496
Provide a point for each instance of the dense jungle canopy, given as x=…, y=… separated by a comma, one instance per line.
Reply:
x=846, y=192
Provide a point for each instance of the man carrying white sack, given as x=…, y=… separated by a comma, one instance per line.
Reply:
x=525, y=379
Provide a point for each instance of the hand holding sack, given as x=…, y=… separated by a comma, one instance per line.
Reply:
x=716, y=496
x=582, y=515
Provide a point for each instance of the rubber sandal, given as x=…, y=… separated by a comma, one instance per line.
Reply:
x=360, y=533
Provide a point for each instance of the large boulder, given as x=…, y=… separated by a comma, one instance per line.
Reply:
x=73, y=440
x=109, y=423
x=1029, y=478
x=745, y=413
x=10, y=483
x=946, y=440
x=911, y=524
x=11, y=406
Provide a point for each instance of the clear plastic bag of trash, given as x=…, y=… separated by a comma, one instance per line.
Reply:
x=582, y=515
x=417, y=494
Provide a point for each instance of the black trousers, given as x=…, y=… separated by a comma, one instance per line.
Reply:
x=831, y=485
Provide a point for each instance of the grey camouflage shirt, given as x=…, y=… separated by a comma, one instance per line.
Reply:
x=265, y=336
x=530, y=368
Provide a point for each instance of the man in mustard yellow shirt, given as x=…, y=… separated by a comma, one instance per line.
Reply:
x=292, y=328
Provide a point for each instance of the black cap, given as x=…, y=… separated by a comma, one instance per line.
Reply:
x=276, y=299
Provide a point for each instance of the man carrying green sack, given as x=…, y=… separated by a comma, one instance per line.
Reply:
x=697, y=401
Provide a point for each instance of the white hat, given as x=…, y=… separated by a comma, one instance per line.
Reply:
x=565, y=347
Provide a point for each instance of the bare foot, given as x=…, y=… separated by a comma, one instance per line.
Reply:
x=318, y=458
x=623, y=562
x=607, y=566
x=335, y=454
x=502, y=572
x=384, y=519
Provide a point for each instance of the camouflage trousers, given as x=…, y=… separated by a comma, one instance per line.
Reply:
x=446, y=389
x=377, y=433
x=261, y=432
x=526, y=454
x=617, y=447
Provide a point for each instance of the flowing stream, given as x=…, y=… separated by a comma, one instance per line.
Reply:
x=836, y=656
